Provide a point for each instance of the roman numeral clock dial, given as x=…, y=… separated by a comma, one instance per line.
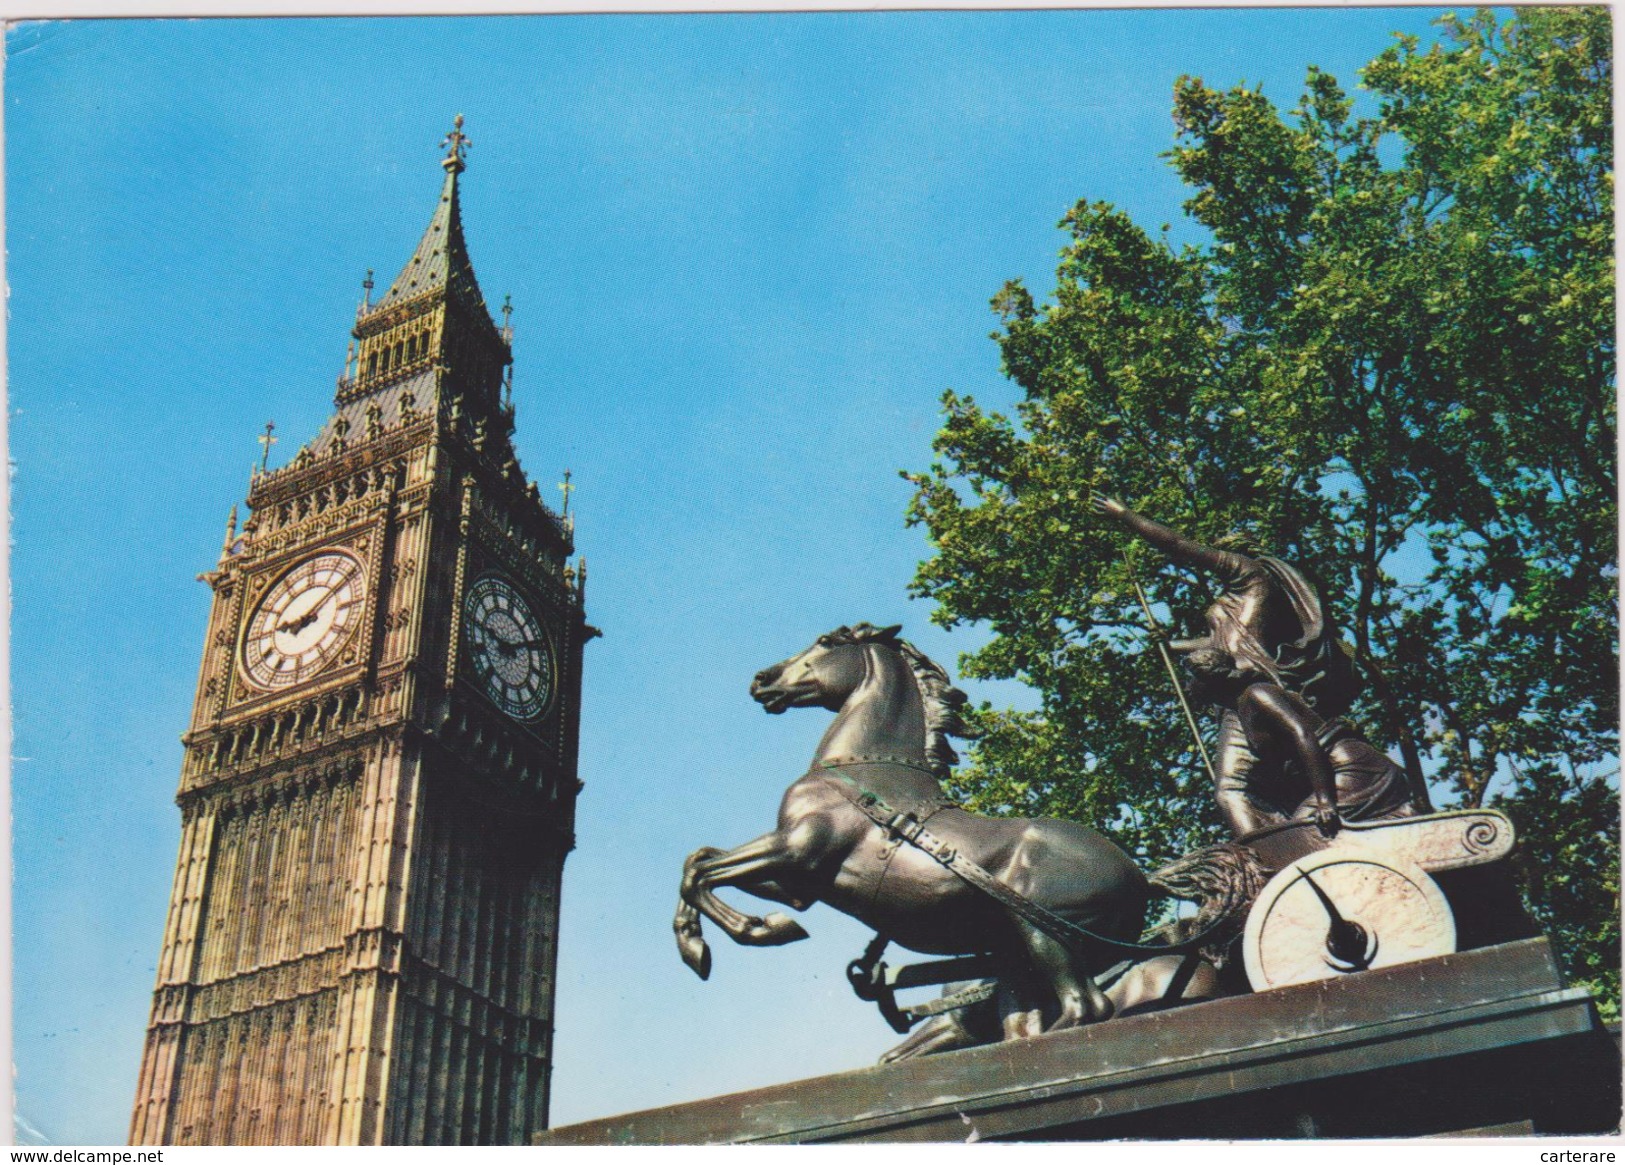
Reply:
x=509, y=649
x=307, y=617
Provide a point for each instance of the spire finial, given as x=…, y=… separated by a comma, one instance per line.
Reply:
x=231, y=531
x=459, y=144
x=366, y=290
x=267, y=439
x=566, y=489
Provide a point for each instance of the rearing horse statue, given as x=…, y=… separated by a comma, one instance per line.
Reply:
x=889, y=746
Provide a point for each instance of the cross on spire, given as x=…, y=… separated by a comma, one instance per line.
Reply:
x=459, y=143
x=267, y=440
x=566, y=489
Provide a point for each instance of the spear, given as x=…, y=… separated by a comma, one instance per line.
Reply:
x=1173, y=672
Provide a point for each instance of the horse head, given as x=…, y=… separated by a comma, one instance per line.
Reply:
x=824, y=675
x=839, y=663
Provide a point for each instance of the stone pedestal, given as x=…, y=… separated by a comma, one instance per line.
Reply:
x=1486, y=1041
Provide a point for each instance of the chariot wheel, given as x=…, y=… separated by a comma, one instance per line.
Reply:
x=1341, y=911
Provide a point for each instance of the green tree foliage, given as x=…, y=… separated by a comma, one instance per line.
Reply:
x=1392, y=364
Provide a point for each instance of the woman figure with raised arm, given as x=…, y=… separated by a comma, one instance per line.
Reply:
x=1308, y=767
x=1271, y=621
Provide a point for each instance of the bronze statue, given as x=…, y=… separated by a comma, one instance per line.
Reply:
x=1272, y=621
x=1040, y=917
x=1306, y=767
x=869, y=831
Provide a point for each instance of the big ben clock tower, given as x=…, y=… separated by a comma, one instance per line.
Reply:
x=378, y=789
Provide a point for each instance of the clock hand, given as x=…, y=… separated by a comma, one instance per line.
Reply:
x=293, y=627
x=502, y=642
x=309, y=616
x=510, y=647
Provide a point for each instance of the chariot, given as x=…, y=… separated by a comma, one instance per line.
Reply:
x=1373, y=895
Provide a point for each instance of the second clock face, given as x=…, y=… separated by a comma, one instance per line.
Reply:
x=304, y=620
x=508, y=645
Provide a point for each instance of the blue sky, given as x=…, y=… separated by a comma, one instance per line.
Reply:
x=747, y=253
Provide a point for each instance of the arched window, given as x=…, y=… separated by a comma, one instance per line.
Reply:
x=372, y=364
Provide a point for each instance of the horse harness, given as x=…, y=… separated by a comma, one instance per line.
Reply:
x=874, y=982
x=908, y=827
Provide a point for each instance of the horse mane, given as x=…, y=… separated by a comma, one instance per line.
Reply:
x=940, y=698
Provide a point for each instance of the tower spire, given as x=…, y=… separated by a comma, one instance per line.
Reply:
x=441, y=259
x=432, y=327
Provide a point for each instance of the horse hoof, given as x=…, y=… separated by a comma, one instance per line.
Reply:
x=928, y=1041
x=1098, y=1005
x=775, y=930
x=696, y=954
x=1093, y=1007
x=1022, y=1025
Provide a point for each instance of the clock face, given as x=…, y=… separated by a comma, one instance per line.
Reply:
x=508, y=645
x=304, y=620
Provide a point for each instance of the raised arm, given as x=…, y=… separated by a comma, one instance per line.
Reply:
x=1269, y=711
x=1177, y=547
